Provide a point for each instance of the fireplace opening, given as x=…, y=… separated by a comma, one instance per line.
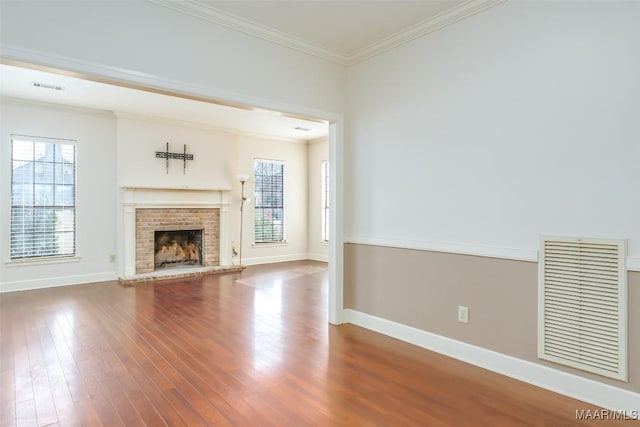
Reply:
x=177, y=248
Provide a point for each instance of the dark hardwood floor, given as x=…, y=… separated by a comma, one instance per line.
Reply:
x=246, y=349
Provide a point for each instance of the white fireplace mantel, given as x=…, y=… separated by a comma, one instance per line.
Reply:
x=147, y=198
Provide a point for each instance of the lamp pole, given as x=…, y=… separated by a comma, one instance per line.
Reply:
x=243, y=180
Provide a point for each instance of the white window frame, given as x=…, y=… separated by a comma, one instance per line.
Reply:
x=70, y=229
x=256, y=203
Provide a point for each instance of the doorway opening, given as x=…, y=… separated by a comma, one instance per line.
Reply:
x=331, y=122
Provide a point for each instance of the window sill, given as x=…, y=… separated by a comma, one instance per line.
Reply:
x=270, y=245
x=41, y=261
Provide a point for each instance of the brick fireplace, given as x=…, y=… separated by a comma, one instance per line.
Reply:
x=150, y=221
x=149, y=210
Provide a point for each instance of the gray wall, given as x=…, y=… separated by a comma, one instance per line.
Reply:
x=423, y=289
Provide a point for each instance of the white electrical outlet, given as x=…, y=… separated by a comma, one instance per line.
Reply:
x=463, y=314
x=112, y=258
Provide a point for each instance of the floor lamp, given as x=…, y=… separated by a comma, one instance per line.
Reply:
x=243, y=179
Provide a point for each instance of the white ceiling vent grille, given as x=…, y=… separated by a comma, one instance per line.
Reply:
x=582, y=307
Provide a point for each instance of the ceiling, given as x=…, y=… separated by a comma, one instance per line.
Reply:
x=343, y=27
x=346, y=32
x=341, y=31
x=17, y=82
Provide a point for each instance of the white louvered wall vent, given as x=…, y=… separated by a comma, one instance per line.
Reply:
x=582, y=306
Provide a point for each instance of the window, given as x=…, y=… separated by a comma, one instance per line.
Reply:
x=325, y=201
x=269, y=201
x=43, y=195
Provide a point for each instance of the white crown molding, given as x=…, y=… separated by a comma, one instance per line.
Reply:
x=153, y=119
x=574, y=386
x=90, y=70
x=203, y=126
x=318, y=140
x=64, y=107
x=448, y=17
x=209, y=13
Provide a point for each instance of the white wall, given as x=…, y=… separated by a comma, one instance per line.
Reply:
x=95, y=133
x=294, y=155
x=317, y=152
x=142, y=42
x=139, y=138
x=116, y=152
x=516, y=122
x=219, y=156
x=149, y=45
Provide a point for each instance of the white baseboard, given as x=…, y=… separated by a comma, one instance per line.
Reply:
x=52, y=282
x=318, y=257
x=570, y=385
x=272, y=259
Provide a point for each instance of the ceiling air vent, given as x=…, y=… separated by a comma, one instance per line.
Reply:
x=48, y=86
x=582, y=307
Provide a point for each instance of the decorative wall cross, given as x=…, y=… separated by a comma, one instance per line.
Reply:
x=179, y=156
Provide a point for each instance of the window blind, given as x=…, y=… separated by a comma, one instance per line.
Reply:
x=325, y=200
x=43, y=193
x=269, y=201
